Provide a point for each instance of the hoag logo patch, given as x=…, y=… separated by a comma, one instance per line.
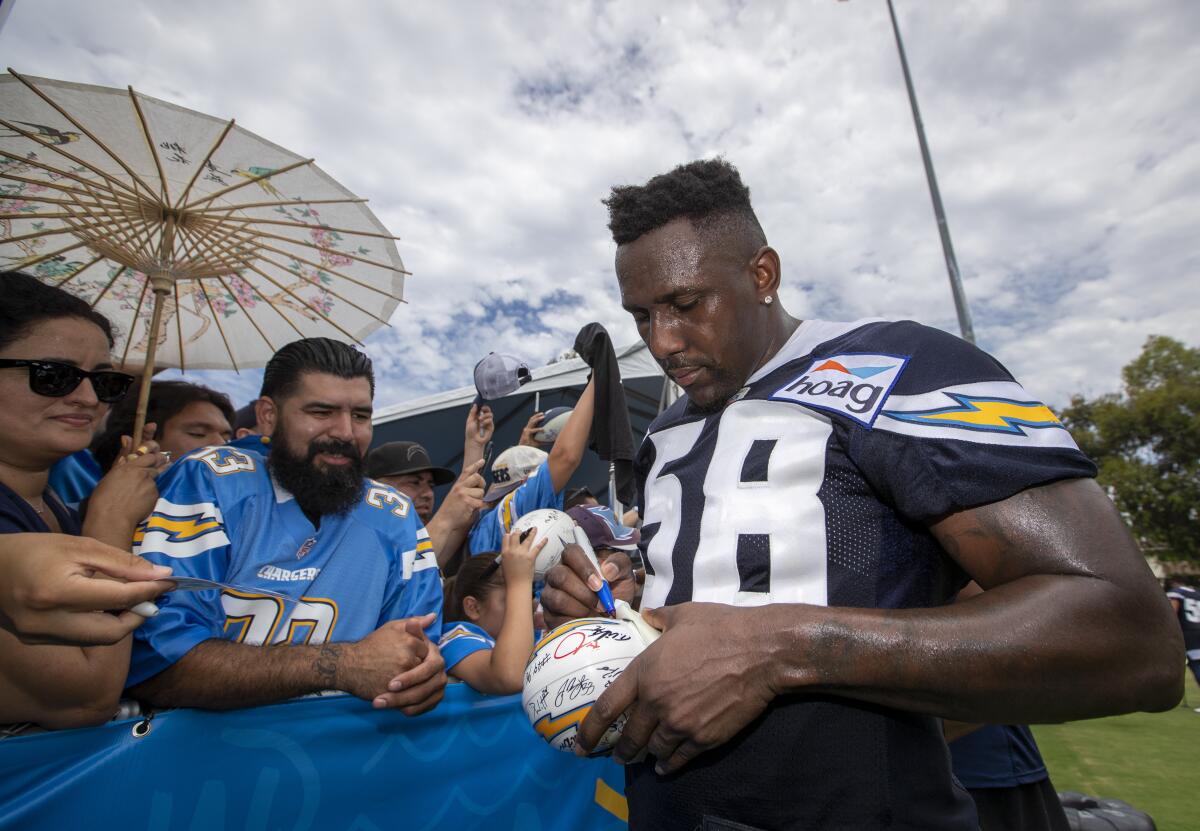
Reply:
x=855, y=385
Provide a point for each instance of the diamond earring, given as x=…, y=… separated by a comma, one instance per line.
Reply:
x=768, y=300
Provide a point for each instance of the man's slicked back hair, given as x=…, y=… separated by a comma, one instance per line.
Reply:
x=314, y=355
x=709, y=192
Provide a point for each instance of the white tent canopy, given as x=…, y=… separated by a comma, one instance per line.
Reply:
x=635, y=361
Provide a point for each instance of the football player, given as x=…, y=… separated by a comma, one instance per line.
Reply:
x=811, y=505
x=331, y=568
x=1185, y=600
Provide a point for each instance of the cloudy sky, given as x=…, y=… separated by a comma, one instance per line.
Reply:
x=1065, y=137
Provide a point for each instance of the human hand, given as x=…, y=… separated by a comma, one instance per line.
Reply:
x=693, y=689
x=465, y=496
x=369, y=665
x=127, y=493
x=571, y=586
x=531, y=427
x=480, y=425
x=518, y=552
x=419, y=689
x=56, y=588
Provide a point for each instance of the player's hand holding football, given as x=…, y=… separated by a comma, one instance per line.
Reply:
x=395, y=666
x=693, y=689
x=571, y=586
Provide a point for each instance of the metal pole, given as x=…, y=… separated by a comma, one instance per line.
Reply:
x=960, y=300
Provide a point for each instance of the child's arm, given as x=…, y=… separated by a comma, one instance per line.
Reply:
x=501, y=670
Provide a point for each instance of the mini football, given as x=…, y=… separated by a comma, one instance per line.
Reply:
x=556, y=527
x=569, y=669
x=552, y=424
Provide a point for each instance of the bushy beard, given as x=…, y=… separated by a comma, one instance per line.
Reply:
x=318, y=491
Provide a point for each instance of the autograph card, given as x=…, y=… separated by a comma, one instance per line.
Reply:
x=196, y=584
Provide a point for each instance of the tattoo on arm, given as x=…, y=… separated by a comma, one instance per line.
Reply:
x=326, y=664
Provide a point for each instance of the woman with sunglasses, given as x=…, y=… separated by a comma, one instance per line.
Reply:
x=56, y=384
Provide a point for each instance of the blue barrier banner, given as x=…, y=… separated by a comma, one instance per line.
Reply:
x=327, y=763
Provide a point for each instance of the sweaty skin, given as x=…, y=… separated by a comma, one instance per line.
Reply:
x=1071, y=625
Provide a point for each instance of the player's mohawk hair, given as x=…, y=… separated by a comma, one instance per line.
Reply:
x=702, y=190
x=314, y=355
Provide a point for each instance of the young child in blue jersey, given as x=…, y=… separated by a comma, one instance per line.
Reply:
x=489, y=611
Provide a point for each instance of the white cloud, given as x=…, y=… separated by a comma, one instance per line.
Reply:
x=486, y=134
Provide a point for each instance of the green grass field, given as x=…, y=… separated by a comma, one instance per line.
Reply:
x=1150, y=760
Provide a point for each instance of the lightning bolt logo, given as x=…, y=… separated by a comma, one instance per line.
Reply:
x=174, y=527
x=989, y=415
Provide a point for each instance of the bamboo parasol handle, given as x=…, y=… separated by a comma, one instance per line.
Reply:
x=139, y=422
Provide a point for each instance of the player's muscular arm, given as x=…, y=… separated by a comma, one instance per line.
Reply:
x=221, y=675
x=1071, y=623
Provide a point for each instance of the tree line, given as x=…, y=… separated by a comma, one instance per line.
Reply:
x=1146, y=441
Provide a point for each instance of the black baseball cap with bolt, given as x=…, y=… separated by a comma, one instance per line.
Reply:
x=397, y=458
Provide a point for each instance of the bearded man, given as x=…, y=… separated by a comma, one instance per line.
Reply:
x=334, y=570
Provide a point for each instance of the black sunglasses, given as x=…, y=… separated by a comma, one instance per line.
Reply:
x=54, y=379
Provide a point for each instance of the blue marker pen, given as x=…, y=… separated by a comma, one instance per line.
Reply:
x=605, y=593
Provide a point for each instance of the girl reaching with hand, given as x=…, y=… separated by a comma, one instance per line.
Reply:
x=489, y=614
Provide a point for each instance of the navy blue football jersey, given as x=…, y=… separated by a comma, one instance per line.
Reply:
x=815, y=484
x=1189, y=618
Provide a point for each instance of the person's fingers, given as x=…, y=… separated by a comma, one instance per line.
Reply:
x=579, y=563
x=473, y=468
x=148, y=430
x=659, y=618
x=635, y=735
x=91, y=594
x=568, y=593
x=430, y=667
x=415, y=700
x=116, y=563
x=558, y=607
x=145, y=609
x=618, y=698
x=684, y=753
x=145, y=453
x=88, y=629
x=418, y=625
x=149, y=460
x=428, y=703
x=123, y=454
x=129, y=620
